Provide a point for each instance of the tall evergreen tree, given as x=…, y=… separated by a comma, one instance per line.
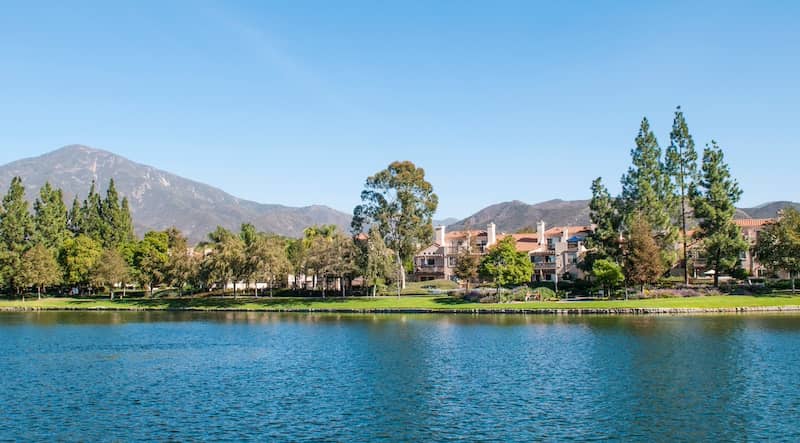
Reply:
x=647, y=189
x=110, y=213
x=93, y=223
x=603, y=242
x=50, y=218
x=125, y=222
x=16, y=232
x=714, y=199
x=116, y=219
x=681, y=165
x=75, y=218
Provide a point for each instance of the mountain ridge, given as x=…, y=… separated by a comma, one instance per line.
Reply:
x=160, y=199
x=511, y=216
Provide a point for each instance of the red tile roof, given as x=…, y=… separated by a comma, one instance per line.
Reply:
x=753, y=222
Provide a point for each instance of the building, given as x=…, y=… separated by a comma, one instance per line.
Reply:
x=555, y=252
x=750, y=227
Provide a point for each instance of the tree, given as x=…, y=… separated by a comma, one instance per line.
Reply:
x=92, y=222
x=400, y=204
x=376, y=261
x=608, y=274
x=643, y=262
x=603, y=242
x=50, y=218
x=181, y=264
x=714, y=201
x=109, y=270
x=116, y=218
x=39, y=269
x=504, y=265
x=296, y=253
x=268, y=258
x=151, y=257
x=467, y=264
x=647, y=190
x=75, y=221
x=343, y=264
x=320, y=258
x=778, y=246
x=77, y=257
x=16, y=232
x=681, y=165
x=227, y=261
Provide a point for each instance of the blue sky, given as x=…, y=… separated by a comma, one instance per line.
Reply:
x=297, y=102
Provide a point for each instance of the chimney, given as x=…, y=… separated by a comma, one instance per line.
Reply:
x=540, y=228
x=491, y=235
x=439, y=237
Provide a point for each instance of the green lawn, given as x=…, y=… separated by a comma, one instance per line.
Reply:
x=426, y=303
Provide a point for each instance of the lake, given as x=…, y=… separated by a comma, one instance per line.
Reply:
x=262, y=376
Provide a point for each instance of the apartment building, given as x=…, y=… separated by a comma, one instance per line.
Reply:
x=554, y=252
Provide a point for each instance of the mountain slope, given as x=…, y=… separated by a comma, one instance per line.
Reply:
x=158, y=198
x=514, y=215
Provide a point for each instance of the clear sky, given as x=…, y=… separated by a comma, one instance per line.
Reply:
x=297, y=102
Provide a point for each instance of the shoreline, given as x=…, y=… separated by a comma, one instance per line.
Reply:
x=472, y=311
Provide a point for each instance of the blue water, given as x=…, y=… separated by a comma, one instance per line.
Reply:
x=253, y=376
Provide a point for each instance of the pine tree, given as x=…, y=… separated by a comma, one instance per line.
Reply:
x=75, y=222
x=50, y=218
x=93, y=223
x=681, y=164
x=116, y=218
x=647, y=189
x=603, y=242
x=16, y=232
x=714, y=199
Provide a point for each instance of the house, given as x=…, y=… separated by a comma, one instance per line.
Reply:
x=554, y=252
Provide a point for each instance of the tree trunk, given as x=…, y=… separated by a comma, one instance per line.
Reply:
x=791, y=275
x=401, y=277
x=39, y=292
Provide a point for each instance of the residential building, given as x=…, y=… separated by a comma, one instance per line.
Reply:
x=554, y=252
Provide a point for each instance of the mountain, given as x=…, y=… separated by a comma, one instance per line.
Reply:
x=159, y=199
x=445, y=221
x=768, y=210
x=515, y=215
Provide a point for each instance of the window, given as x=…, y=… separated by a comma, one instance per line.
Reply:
x=430, y=261
x=451, y=261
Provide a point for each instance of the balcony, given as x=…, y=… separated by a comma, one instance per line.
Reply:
x=544, y=266
x=428, y=269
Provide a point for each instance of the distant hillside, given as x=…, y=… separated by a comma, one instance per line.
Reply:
x=768, y=210
x=160, y=199
x=514, y=215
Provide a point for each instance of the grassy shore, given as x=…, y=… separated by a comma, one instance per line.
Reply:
x=408, y=304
